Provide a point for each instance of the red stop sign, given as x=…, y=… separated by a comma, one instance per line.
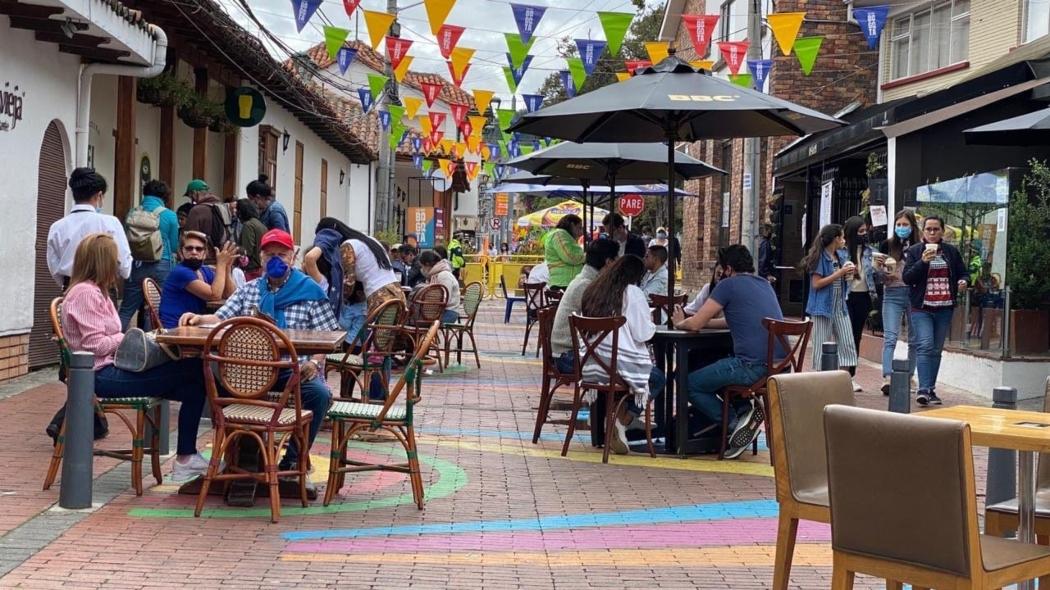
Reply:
x=631, y=205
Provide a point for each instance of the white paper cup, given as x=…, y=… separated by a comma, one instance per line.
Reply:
x=932, y=247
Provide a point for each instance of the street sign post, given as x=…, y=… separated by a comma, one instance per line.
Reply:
x=631, y=205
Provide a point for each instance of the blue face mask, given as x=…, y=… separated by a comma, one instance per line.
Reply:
x=903, y=232
x=276, y=268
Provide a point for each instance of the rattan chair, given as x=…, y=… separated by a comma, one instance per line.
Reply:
x=472, y=294
x=349, y=418
x=249, y=354
x=374, y=341
x=146, y=408
x=534, y=300
x=426, y=307
x=552, y=378
x=151, y=295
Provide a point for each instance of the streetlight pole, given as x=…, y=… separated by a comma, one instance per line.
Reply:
x=750, y=209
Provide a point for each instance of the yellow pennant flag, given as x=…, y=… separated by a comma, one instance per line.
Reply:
x=437, y=12
x=621, y=76
x=378, y=24
x=402, y=68
x=460, y=58
x=474, y=144
x=446, y=167
x=412, y=105
x=703, y=64
x=785, y=27
x=477, y=125
x=657, y=51
x=485, y=152
x=424, y=124
x=482, y=98
x=461, y=149
x=447, y=145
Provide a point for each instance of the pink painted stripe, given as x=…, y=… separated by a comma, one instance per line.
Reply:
x=693, y=534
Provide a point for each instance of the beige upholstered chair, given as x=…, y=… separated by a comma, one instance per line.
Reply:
x=901, y=514
x=796, y=408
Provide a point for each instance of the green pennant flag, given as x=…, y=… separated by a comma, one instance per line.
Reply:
x=525, y=148
x=503, y=145
x=396, y=112
x=741, y=80
x=334, y=38
x=510, y=80
x=579, y=74
x=376, y=83
x=615, y=25
x=427, y=165
x=807, y=48
x=517, y=49
x=490, y=169
x=506, y=116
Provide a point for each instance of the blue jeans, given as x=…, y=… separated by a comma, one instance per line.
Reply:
x=931, y=328
x=317, y=397
x=705, y=384
x=133, y=297
x=449, y=316
x=657, y=382
x=181, y=381
x=894, y=306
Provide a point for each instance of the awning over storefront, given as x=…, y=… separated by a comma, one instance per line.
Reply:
x=97, y=30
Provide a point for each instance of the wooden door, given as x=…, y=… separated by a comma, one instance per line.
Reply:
x=50, y=206
x=297, y=226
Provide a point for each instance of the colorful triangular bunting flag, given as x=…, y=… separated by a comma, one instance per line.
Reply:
x=527, y=18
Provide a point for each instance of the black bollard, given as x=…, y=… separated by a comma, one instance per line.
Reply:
x=77, y=479
x=829, y=356
x=900, y=387
x=1001, y=482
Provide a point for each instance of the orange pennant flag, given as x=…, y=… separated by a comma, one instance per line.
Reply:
x=378, y=24
x=446, y=167
x=402, y=68
x=621, y=76
x=786, y=26
x=437, y=12
x=482, y=98
x=447, y=145
x=477, y=124
x=474, y=144
x=424, y=124
x=703, y=64
x=461, y=149
x=486, y=153
x=412, y=105
x=657, y=51
x=460, y=58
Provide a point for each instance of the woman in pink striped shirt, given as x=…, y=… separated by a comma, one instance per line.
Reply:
x=91, y=324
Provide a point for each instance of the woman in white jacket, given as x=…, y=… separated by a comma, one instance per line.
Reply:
x=439, y=272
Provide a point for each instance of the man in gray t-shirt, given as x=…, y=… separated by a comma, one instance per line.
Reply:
x=744, y=300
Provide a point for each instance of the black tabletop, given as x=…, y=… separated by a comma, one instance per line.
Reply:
x=675, y=334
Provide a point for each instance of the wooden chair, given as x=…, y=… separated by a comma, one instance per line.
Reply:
x=904, y=508
x=472, y=295
x=800, y=467
x=151, y=295
x=779, y=333
x=552, y=296
x=588, y=334
x=510, y=299
x=552, y=378
x=1001, y=518
x=662, y=304
x=533, y=302
x=146, y=409
x=427, y=307
x=249, y=354
x=348, y=418
x=372, y=340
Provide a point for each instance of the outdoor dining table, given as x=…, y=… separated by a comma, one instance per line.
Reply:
x=191, y=341
x=673, y=348
x=1026, y=432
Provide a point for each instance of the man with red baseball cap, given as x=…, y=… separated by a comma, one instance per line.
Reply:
x=293, y=301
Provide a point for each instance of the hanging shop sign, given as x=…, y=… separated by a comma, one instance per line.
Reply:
x=245, y=106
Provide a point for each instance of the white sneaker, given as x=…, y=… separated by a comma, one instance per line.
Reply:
x=618, y=443
x=856, y=387
x=196, y=467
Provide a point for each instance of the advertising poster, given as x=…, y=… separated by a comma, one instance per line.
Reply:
x=421, y=222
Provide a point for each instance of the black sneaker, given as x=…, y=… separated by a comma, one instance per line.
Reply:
x=745, y=435
x=934, y=400
x=923, y=397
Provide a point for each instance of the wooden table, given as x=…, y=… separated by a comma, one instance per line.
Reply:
x=1027, y=433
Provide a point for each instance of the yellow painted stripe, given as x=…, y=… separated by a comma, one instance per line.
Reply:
x=752, y=465
x=744, y=556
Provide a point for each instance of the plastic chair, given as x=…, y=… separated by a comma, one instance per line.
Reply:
x=510, y=299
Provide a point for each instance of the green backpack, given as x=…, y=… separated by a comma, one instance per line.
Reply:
x=144, y=239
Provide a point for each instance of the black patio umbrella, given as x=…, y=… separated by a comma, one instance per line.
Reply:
x=1027, y=129
x=671, y=102
x=610, y=162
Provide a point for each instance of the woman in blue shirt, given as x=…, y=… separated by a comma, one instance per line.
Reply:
x=828, y=265
x=190, y=285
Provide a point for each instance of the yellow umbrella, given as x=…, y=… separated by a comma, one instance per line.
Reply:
x=550, y=216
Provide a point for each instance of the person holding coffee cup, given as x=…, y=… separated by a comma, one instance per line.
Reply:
x=862, y=295
x=935, y=272
x=895, y=293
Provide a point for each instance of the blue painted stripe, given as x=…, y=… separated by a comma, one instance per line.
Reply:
x=684, y=513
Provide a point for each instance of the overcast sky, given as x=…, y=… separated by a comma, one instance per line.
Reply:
x=485, y=21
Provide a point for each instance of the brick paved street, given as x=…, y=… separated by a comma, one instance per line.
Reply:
x=500, y=511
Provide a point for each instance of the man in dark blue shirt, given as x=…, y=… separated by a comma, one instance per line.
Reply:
x=744, y=300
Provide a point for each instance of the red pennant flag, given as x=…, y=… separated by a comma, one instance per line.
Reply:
x=436, y=121
x=436, y=137
x=457, y=80
x=428, y=146
x=733, y=53
x=634, y=64
x=351, y=6
x=397, y=49
x=466, y=128
x=700, y=27
x=471, y=167
x=447, y=37
x=459, y=111
x=430, y=92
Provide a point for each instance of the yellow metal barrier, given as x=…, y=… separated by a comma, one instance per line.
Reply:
x=473, y=271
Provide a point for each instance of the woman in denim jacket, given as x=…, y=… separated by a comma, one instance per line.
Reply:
x=828, y=266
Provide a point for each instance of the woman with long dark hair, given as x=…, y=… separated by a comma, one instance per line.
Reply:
x=862, y=295
x=362, y=258
x=564, y=256
x=889, y=264
x=615, y=292
x=828, y=267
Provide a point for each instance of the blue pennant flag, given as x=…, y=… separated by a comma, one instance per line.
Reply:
x=533, y=102
x=384, y=119
x=404, y=136
x=417, y=144
x=516, y=136
x=345, y=57
x=547, y=141
x=760, y=72
x=501, y=169
x=590, y=53
x=304, y=11
x=494, y=151
x=519, y=73
x=514, y=148
x=535, y=145
x=871, y=21
x=366, y=98
x=566, y=81
x=417, y=161
x=528, y=18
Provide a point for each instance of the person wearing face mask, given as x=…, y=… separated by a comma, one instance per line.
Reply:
x=293, y=301
x=191, y=285
x=705, y=291
x=862, y=295
x=889, y=264
x=85, y=218
x=660, y=239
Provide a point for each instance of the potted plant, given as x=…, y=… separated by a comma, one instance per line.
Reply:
x=1028, y=261
x=222, y=125
x=164, y=90
x=198, y=112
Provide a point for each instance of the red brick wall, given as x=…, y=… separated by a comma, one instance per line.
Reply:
x=14, y=356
